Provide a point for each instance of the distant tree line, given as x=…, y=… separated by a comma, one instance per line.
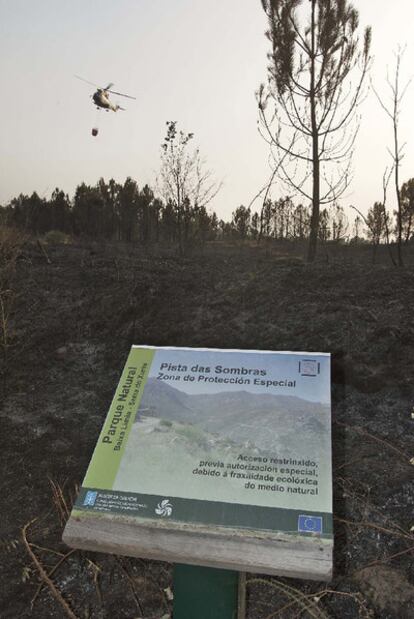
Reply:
x=110, y=211
x=284, y=220
x=123, y=212
x=383, y=227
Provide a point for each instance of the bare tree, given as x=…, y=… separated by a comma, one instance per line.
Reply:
x=385, y=182
x=310, y=97
x=393, y=111
x=378, y=220
x=185, y=181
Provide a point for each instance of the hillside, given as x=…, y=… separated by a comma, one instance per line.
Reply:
x=266, y=421
x=66, y=338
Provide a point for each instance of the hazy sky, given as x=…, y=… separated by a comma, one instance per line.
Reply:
x=195, y=61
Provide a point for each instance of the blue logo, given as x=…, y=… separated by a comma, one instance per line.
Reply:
x=310, y=524
x=90, y=498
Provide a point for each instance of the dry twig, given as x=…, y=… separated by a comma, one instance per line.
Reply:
x=60, y=502
x=372, y=525
x=54, y=591
x=374, y=438
x=54, y=568
x=131, y=584
x=304, y=601
x=385, y=560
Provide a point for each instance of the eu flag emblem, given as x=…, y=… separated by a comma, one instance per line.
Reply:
x=310, y=524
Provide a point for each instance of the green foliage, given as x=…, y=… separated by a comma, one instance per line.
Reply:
x=193, y=434
x=166, y=423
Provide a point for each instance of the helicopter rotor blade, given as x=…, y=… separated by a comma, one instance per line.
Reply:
x=120, y=94
x=87, y=81
x=107, y=89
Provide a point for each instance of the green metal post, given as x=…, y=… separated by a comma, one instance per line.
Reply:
x=205, y=593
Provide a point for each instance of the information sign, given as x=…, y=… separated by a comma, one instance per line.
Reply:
x=214, y=457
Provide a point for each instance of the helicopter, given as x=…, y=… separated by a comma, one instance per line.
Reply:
x=101, y=96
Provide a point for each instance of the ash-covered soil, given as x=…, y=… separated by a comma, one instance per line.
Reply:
x=67, y=338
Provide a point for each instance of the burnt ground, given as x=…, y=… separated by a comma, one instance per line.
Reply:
x=63, y=348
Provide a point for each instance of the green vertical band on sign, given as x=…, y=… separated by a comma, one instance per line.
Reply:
x=114, y=435
x=205, y=593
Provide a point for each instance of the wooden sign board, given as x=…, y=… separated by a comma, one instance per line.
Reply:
x=213, y=457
